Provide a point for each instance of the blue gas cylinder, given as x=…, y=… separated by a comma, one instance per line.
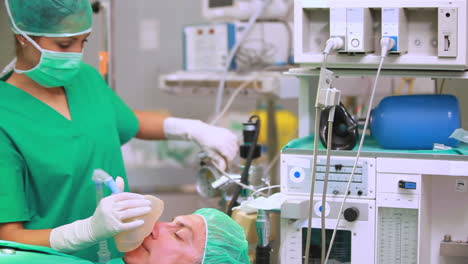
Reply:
x=416, y=121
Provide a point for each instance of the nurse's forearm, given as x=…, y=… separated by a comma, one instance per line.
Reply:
x=16, y=233
x=151, y=125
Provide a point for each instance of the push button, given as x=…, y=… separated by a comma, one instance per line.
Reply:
x=297, y=175
x=355, y=43
x=407, y=185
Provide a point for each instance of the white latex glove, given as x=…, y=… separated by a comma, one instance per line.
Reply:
x=220, y=144
x=120, y=183
x=107, y=221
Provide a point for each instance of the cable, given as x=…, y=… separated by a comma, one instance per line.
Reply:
x=264, y=189
x=255, y=53
x=312, y=184
x=291, y=38
x=233, y=52
x=248, y=163
x=234, y=181
x=232, y=98
x=335, y=43
x=387, y=45
x=236, y=93
x=331, y=117
x=332, y=44
x=290, y=10
x=442, y=86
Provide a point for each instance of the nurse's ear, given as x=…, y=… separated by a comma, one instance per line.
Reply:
x=120, y=183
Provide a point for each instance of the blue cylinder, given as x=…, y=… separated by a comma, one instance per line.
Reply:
x=416, y=121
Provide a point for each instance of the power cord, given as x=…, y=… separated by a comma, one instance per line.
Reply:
x=332, y=44
x=331, y=117
x=312, y=187
x=233, y=97
x=387, y=44
x=232, y=54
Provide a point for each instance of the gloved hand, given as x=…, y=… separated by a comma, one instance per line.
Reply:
x=120, y=183
x=107, y=221
x=220, y=144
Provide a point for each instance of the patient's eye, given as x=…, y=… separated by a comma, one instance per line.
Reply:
x=182, y=234
x=178, y=237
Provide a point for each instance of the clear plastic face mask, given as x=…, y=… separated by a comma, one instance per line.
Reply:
x=130, y=240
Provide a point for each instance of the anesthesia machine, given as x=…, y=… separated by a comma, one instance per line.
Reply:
x=369, y=204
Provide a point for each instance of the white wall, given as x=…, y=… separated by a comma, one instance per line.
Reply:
x=6, y=39
x=459, y=88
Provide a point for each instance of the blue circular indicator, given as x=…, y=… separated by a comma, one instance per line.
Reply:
x=320, y=209
x=297, y=175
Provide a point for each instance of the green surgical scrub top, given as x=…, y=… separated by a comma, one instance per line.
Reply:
x=15, y=253
x=47, y=161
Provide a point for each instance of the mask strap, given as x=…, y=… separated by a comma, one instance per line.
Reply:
x=7, y=5
x=10, y=67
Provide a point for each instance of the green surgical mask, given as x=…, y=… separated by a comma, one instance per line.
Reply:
x=55, y=69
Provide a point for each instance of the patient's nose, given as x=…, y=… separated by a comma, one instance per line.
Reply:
x=155, y=232
x=161, y=227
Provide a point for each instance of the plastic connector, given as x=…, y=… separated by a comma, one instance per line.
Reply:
x=336, y=43
x=223, y=180
x=328, y=97
x=387, y=45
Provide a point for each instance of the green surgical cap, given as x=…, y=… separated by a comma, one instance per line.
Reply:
x=51, y=18
x=225, y=241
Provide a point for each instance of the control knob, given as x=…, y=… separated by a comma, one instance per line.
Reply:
x=351, y=214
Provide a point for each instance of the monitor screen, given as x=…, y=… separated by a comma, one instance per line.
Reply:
x=220, y=3
x=341, y=251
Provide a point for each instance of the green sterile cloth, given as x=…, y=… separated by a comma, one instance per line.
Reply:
x=371, y=145
x=28, y=254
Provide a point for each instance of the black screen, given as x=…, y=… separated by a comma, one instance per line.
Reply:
x=220, y=3
x=341, y=252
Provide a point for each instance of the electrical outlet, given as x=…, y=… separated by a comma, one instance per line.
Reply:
x=395, y=26
x=338, y=25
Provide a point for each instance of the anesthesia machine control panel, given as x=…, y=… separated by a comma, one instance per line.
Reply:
x=379, y=223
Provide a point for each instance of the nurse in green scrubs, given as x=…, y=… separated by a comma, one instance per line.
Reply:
x=59, y=122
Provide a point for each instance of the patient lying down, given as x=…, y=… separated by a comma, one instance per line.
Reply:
x=207, y=236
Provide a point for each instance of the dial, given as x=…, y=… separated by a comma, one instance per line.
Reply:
x=351, y=214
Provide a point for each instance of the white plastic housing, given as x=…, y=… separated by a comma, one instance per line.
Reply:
x=229, y=10
x=312, y=30
x=338, y=25
x=395, y=26
x=448, y=32
x=359, y=30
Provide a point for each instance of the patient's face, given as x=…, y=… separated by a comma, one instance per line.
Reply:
x=179, y=242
